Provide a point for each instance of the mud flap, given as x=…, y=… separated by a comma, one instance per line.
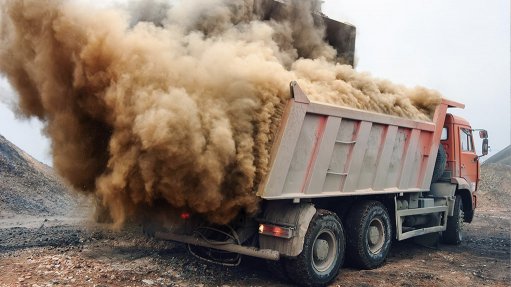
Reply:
x=296, y=216
x=468, y=216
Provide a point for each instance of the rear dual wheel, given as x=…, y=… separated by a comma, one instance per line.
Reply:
x=367, y=244
x=369, y=235
x=322, y=256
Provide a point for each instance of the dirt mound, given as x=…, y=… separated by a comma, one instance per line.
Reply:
x=29, y=187
x=495, y=186
x=502, y=157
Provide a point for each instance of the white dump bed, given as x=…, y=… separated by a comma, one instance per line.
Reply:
x=323, y=150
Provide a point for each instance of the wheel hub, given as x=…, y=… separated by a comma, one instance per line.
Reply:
x=321, y=249
x=376, y=236
x=324, y=251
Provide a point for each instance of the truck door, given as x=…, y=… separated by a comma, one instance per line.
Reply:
x=468, y=157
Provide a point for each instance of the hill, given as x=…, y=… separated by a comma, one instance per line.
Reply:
x=495, y=187
x=502, y=157
x=29, y=187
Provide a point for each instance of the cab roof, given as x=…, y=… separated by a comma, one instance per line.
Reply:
x=452, y=119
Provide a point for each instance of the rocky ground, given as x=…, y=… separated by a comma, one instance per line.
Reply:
x=63, y=247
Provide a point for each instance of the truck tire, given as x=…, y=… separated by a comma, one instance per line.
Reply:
x=369, y=235
x=323, y=252
x=441, y=160
x=453, y=234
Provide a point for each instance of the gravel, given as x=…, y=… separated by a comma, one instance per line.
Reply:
x=48, y=239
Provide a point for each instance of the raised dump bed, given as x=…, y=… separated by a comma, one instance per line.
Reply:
x=324, y=150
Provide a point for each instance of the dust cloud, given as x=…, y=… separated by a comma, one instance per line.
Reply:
x=160, y=107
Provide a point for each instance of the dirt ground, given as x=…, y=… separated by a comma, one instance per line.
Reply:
x=74, y=251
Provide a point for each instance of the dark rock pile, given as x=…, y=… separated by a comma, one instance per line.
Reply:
x=29, y=187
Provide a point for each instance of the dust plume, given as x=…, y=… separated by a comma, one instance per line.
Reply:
x=164, y=107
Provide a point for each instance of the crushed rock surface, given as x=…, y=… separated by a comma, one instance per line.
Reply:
x=59, y=245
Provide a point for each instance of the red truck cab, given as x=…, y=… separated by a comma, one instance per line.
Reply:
x=462, y=160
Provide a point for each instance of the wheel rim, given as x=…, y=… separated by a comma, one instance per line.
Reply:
x=324, y=251
x=376, y=236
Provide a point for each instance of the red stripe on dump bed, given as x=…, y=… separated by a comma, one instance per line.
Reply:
x=320, y=130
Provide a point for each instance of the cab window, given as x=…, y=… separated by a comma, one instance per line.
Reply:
x=466, y=140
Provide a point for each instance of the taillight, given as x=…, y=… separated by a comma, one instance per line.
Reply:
x=184, y=215
x=274, y=230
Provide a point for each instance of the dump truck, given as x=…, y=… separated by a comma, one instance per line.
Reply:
x=344, y=183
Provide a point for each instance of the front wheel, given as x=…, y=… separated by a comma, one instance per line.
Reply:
x=453, y=234
x=323, y=252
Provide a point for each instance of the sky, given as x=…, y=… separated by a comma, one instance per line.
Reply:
x=460, y=48
x=25, y=133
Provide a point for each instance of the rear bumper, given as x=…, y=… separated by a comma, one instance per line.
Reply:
x=229, y=247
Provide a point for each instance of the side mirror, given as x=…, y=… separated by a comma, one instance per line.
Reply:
x=483, y=134
x=485, y=146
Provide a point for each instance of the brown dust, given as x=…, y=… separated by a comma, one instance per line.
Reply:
x=159, y=108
